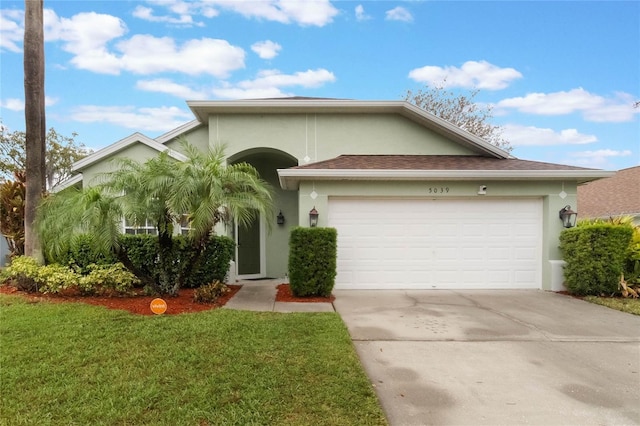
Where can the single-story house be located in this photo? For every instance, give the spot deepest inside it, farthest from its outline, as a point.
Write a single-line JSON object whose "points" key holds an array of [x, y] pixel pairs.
{"points": [[612, 197], [418, 203]]}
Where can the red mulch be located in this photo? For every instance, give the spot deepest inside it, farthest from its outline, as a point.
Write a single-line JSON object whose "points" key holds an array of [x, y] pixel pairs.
{"points": [[139, 304], [284, 295]]}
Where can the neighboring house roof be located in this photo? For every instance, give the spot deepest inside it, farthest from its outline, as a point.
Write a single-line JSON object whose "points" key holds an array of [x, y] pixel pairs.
{"points": [[203, 109], [618, 195], [432, 167]]}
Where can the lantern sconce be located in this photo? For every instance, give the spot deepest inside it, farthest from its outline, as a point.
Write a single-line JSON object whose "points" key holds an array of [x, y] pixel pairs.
{"points": [[313, 217], [280, 218], [568, 217]]}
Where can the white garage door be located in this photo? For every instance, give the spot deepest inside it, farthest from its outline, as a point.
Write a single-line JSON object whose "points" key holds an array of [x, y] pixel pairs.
{"points": [[437, 244]]}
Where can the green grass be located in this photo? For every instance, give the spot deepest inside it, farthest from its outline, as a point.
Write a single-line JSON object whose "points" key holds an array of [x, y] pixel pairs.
{"points": [[631, 306], [75, 364]]}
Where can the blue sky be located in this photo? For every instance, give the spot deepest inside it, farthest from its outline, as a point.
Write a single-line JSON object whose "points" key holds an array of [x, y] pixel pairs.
{"points": [[561, 77]]}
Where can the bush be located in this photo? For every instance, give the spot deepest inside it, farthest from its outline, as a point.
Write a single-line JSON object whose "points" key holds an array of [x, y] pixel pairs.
{"points": [[108, 280], [81, 254], [142, 251], [213, 264], [56, 278], [26, 274], [312, 261], [211, 292], [22, 273], [632, 266], [595, 257]]}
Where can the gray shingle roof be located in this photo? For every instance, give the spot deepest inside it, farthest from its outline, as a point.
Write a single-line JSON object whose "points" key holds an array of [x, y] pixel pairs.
{"points": [[613, 196], [432, 162]]}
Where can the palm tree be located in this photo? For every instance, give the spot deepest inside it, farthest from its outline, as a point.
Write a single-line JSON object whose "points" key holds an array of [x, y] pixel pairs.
{"points": [[160, 191]]}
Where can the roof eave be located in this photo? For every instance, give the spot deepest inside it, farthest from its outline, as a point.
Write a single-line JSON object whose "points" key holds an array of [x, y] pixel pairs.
{"points": [[291, 178], [68, 183]]}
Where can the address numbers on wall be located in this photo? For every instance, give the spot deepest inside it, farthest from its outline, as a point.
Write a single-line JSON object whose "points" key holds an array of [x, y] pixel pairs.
{"points": [[438, 190]]}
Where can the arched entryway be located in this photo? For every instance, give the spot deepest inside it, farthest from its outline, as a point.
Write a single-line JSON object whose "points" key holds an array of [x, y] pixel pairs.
{"points": [[262, 248]]}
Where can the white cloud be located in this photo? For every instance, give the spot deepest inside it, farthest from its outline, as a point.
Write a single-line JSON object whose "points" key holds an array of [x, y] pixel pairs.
{"points": [[269, 83], [519, 135], [599, 159], [472, 74], [164, 85], [146, 13], [266, 49], [145, 119], [87, 37], [305, 13], [11, 30], [15, 104], [361, 15], [399, 14], [593, 107], [146, 54]]}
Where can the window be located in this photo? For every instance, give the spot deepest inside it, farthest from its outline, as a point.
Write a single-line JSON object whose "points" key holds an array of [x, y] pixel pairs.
{"points": [[185, 224], [147, 228]]}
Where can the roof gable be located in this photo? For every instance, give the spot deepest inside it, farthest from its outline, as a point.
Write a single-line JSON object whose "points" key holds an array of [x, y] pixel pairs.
{"points": [[121, 145], [203, 109]]}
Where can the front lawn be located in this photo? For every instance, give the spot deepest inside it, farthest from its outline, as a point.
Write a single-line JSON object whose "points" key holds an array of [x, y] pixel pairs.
{"points": [[631, 306], [69, 363]]}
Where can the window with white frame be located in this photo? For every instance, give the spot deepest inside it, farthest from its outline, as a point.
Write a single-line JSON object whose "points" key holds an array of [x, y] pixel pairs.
{"points": [[185, 224], [146, 228]]}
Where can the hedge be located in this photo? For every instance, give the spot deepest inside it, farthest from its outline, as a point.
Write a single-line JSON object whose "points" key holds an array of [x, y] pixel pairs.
{"points": [[595, 257], [142, 251], [312, 261]]}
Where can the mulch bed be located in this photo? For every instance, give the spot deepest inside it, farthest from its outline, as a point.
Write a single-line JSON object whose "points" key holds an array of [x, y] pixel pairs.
{"points": [[284, 295], [138, 304]]}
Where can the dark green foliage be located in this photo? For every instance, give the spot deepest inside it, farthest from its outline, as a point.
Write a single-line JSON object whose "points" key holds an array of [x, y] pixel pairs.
{"points": [[595, 257], [141, 251], [312, 261], [211, 292], [81, 254], [213, 265]]}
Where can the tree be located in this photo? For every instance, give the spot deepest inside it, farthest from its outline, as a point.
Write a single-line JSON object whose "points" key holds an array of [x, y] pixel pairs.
{"points": [[61, 152], [34, 120], [160, 191], [460, 110]]}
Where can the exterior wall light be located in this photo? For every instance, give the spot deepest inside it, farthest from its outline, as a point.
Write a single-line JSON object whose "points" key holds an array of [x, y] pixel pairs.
{"points": [[313, 217], [280, 218], [568, 217]]}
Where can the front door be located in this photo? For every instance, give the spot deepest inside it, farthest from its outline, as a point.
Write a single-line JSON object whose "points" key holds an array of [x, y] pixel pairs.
{"points": [[249, 250]]}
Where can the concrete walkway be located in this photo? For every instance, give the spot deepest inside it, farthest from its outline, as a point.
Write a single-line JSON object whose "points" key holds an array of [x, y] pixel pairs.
{"points": [[260, 295]]}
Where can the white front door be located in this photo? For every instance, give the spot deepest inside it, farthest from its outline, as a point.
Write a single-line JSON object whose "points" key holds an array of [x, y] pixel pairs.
{"points": [[437, 244]]}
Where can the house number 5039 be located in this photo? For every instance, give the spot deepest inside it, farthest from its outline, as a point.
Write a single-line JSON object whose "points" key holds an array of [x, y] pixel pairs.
{"points": [[440, 190]]}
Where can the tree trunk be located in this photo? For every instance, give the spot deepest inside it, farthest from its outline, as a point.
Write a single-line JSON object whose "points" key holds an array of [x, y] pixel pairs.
{"points": [[34, 113]]}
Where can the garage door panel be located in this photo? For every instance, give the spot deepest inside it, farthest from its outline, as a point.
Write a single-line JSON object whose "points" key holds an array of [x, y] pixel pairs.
{"points": [[479, 243]]}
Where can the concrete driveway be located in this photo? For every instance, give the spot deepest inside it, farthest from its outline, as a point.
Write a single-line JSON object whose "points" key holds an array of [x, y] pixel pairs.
{"points": [[439, 357]]}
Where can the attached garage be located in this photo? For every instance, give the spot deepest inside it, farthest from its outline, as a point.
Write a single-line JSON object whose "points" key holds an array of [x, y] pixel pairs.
{"points": [[469, 243]]}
